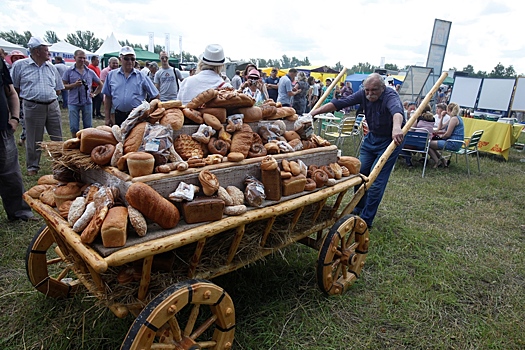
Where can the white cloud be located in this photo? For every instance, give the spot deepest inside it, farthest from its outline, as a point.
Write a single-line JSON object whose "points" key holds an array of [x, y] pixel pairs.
{"points": [[483, 33]]}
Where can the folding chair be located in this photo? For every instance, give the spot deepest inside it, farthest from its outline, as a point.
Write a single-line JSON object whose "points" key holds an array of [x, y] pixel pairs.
{"points": [[468, 146], [417, 140], [349, 127], [339, 131]]}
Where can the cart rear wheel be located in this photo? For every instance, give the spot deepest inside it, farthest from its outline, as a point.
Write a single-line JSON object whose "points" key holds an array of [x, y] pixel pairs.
{"points": [[45, 269], [342, 255], [190, 315]]}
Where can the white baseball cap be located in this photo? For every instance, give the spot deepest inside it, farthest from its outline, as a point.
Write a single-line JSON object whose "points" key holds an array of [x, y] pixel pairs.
{"points": [[35, 41], [127, 50]]}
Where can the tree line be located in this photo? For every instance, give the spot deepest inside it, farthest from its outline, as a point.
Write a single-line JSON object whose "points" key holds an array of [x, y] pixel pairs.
{"points": [[88, 41]]}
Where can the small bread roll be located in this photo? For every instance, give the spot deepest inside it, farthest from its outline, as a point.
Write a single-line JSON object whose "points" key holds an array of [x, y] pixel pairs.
{"points": [[73, 143], [235, 156], [47, 180], [212, 121], [170, 104]]}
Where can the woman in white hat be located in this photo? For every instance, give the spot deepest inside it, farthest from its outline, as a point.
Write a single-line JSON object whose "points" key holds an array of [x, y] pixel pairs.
{"points": [[209, 68]]}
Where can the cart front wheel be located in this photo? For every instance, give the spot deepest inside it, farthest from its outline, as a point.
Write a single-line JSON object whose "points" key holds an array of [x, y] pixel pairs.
{"points": [[45, 269], [342, 255], [189, 315]]}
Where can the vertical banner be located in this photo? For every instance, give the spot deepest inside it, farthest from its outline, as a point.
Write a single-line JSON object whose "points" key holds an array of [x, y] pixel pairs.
{"points": [[167, 43], [382, 64], [438, 45], [180, 48], [151, 45]]}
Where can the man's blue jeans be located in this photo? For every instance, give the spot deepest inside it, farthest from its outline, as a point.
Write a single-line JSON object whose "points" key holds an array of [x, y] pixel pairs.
{"points": [[74, 117], [371, 150]]}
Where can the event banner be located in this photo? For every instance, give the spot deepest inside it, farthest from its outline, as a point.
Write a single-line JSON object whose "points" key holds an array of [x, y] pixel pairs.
{"points": [[438, 45]]}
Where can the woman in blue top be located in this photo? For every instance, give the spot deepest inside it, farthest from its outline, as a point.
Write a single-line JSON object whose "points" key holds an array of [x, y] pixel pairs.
{"points": [[455, 131]]}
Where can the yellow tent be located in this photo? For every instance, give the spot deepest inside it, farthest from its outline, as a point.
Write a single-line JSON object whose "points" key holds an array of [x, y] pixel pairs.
{"points": [[268, 70], [318, 72]]}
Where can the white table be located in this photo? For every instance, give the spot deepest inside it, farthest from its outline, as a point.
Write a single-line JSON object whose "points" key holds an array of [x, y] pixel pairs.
{"points": [[322, 117]]}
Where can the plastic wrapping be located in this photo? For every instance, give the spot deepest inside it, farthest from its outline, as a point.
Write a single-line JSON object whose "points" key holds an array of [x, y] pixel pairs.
{"points": [[203, 134], [158, 140], [134, 117], [254, 191], [304, 126], [235, 122], [184, 191]]}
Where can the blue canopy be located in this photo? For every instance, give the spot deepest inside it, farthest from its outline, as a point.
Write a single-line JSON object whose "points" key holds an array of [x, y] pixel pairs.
{"points": [[356, 80]]}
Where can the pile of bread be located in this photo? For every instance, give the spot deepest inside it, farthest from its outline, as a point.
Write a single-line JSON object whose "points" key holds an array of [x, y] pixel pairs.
{"points": [[96, 209], [226, 120]]}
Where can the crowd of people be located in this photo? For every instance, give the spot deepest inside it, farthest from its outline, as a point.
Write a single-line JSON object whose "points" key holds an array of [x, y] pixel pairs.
{"points": [[32, 87], [444, 125]]}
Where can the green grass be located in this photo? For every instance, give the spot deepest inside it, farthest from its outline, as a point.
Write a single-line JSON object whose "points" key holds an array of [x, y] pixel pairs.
{"points": [[445, 270]]}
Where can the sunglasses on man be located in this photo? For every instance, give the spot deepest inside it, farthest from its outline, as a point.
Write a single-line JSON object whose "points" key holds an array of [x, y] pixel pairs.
{"points": [[126, 58]]}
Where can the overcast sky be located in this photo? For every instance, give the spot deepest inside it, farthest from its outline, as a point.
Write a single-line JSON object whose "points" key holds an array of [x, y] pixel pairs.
{"points": [[483, 33]]}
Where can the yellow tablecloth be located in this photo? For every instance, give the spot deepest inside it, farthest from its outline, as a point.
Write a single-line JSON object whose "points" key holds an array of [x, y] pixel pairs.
{"points": [[497, 137]]}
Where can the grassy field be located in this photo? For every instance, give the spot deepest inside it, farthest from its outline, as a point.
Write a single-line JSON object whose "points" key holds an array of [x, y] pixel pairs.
{"points": [[445, 270]]}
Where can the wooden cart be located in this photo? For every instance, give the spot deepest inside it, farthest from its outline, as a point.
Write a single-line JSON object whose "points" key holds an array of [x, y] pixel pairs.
{"points": [[191, 312], [259, 232]]}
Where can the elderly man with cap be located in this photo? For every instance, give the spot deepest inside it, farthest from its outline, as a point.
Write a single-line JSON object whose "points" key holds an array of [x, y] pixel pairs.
{"points": [[38, 83], [126, 88], [208, 74]]}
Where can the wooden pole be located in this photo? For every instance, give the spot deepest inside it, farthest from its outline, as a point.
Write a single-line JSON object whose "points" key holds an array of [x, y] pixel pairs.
{"points": [[330, 88], [384, 157]]}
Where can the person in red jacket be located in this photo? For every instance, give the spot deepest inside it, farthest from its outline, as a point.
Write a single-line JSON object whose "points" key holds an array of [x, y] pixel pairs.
{"points": [[97, 100]]}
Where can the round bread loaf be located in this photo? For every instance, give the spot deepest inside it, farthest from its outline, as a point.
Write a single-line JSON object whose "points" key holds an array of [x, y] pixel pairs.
{"points": [[140, 163]]}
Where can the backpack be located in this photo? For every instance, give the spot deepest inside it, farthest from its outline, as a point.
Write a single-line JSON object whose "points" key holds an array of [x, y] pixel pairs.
{"points": [[176, 79]]}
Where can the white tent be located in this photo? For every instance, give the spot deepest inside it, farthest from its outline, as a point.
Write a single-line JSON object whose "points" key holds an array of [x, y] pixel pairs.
{"points": [[8, 47], [67, 50], [111, 44]]}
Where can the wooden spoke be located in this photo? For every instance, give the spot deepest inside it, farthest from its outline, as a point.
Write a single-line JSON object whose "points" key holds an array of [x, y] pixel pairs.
{"points": [[175, 329], [205, 325], [342, 255], [203, 310], [45, 269], [192, 319]]}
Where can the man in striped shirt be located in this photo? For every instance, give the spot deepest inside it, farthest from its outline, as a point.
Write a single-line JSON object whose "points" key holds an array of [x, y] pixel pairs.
{"points": [[38, 83]]}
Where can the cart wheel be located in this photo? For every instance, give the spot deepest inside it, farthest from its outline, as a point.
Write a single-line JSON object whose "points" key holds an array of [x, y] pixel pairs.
{"points": [[45, 269], [206, 309], [342, 255]]}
